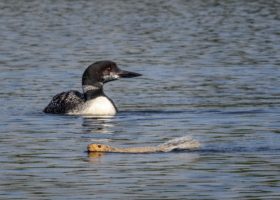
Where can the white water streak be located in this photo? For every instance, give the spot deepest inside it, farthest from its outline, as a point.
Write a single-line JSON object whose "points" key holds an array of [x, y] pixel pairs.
{"points": [[182, 143]]}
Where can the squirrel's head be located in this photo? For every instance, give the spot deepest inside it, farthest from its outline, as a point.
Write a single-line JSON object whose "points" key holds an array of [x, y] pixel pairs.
{"points": [[99, 148]]}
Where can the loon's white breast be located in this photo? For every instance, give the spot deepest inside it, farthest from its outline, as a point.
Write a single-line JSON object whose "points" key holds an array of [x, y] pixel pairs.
{"points": [[98, 106]]}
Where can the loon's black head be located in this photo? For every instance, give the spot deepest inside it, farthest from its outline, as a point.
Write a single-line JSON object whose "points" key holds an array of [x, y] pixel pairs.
{"points": [[103, 72]]}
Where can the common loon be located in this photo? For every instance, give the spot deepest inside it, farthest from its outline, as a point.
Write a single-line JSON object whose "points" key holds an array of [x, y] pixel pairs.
{"points": [[92, 101]]}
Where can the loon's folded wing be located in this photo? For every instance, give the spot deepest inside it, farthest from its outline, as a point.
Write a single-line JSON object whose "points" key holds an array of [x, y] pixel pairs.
{"points": [[65, 102]]}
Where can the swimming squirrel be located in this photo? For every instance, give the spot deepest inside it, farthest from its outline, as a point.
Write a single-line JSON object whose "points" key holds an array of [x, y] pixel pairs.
{"points": [[182, 143]]}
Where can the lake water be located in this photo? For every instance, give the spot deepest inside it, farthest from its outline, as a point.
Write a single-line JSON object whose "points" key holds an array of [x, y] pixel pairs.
{"points": [[210, 70]]}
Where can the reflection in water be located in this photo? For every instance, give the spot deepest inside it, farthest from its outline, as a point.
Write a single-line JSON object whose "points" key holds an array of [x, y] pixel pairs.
{"points": [[94, 157], [95, 125], [190, 158]]}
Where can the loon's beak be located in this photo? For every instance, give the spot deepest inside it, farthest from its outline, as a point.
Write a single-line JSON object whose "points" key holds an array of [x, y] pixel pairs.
{"points": [[127, 74]]}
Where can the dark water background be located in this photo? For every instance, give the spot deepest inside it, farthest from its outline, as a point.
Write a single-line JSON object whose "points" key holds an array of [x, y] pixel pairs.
{"points": [[210, 70]]}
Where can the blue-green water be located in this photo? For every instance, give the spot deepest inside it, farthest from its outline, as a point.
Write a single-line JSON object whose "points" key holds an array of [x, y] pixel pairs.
{"points": [[210, 71]]}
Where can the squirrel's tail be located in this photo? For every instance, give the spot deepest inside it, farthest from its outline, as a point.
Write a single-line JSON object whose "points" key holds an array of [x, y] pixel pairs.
{"points": [[181, 143]]}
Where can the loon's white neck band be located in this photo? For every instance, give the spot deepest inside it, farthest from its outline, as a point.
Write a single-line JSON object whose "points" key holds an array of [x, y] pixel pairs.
{"points": [[90, 87]]}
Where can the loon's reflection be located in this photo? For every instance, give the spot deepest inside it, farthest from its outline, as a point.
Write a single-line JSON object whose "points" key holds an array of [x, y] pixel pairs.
{"points": [[102, 125]]}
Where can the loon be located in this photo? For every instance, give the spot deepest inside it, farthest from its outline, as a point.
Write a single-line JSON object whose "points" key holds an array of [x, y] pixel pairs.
{"points": [[92, 101]]}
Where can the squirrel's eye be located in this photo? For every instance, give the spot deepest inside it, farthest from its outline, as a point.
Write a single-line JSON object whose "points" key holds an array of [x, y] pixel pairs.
{"points": [[99, 146]]}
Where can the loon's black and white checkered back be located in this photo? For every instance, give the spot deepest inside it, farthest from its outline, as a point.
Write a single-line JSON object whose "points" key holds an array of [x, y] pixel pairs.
{"points": [[65, 102]]}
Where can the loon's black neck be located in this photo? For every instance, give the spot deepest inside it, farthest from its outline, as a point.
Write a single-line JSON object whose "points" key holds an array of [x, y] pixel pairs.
{"points": [[93, 91]]}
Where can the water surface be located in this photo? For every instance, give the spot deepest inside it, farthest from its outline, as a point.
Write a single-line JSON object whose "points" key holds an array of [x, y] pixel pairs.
{"points": [[210, 71]]}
